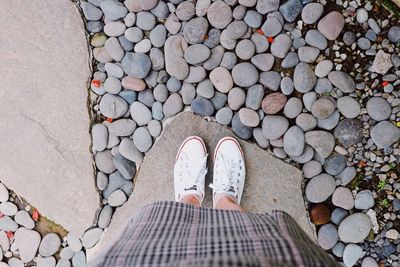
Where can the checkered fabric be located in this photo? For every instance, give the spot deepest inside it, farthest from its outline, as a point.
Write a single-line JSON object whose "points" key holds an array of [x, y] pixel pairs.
{"points": [[176, 234]]}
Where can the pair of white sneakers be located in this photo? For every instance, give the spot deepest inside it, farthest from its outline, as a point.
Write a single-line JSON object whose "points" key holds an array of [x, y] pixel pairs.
{"points": [[191, 168]]}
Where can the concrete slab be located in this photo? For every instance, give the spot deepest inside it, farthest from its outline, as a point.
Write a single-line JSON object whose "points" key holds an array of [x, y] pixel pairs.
{"points": [[44, 135], [270, 182]]}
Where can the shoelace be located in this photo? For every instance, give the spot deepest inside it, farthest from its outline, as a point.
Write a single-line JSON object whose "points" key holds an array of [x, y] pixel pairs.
{"points": [[192, 171], [230, 169]]}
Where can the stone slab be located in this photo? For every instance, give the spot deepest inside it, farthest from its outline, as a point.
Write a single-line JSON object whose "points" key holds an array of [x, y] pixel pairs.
{"points": [[44, 135], [270, 182]]}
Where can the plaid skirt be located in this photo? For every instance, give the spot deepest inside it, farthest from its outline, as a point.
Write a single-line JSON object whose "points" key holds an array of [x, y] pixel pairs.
{"points": [[176, 234]]}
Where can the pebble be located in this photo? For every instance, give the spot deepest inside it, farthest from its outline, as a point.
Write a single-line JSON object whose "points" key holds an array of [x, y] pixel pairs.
{"points": [[382, 63], [122, 127], [8, 208], [309, 99], [290, 61], [347, 175], [254, 96], [202, 106], [23, 218], [126, 167], [147, 4], [349, 132], [273, 103], [145, 20], [114, 49], [195, 30], [245, 49], [79, 259], [306, 156], [363, 43], [267, 6], [311, 169], [236, 98], [142, 139], [185, 10], [320, 188], [327, 236], [287, 86], [46, 262], [291, 9], [174, 62], [331, 25], [281, 45], [113, 10], [260, 42], [104, 162], [394, 34], [114, 29], [4, 195], [90, 11], [50, 245], [249, 117], [349, 38], [113, 106], [378, 108], [201, 7], [311, 13], [253, 19], [213, 38], [105, 216], [27, 241], [112, 85], [364, 200], [14, 262], [316, 39], [140, 113], [221, 79], [304, 78], [173, 105], [362, 15], [293, 141], [219, 14], [384, 134], [224, 116], [116, 199], [343, 198], [354, 228], [293, 108], [245, 74], [369, 262], [342, 80], [351, 254], [338, 214], [392, 234], [348, 107], [240, 129], [274, 127], [323, 108], [271, 27], [134, 34], [323, 142], [306, 121], [270, 79], [136, 64], [338, 249], [308, 54], [335, 164], [197, 54], [323, 86], [260, 138]]}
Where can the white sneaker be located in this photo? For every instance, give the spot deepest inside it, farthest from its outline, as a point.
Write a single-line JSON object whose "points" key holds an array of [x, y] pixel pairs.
{"points": [[229, 169], [190, 168]]}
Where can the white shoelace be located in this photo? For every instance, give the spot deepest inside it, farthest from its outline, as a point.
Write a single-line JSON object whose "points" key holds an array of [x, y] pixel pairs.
{"points": [[228, 182], [192, 171]]}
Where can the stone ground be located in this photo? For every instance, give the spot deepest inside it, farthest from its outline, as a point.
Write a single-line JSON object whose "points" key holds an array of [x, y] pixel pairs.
{"points": [[269, 181]]}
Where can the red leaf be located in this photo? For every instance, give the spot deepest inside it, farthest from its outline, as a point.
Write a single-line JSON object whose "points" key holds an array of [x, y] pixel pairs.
{"points": [[385, 83], [270, 40], [260, 31], [96, 83], [109, 120], [10, 235], [35, 215]]}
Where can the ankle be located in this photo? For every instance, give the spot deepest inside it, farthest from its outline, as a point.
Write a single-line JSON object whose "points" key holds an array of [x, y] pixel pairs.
{"points": [[220, 199], [192, 199]]}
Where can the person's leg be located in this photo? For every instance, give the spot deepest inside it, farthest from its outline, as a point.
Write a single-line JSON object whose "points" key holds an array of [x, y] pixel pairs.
{"points": [[227, 203], [190, 199]]}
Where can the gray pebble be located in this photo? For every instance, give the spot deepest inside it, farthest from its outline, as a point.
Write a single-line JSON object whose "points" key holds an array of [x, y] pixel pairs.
{"points": [[142, 139], [50, 244], [224, 116]]}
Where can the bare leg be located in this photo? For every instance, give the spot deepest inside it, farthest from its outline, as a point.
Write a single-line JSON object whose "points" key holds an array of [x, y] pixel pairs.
{"points": [[190, 199], [227, 203]]}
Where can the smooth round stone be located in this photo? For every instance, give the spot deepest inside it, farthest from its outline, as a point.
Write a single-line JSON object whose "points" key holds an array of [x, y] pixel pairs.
{"points": [[104, 162], [105, 216], [202, 106], [363, 43], [215, 59], [114, 70], [306, 156], [343, 198], [304, 78], [249, 117], [323, 108], [263, 62], [126, 167], [354, 228], [142, 139], [236, 98], [290, 61], [73, 242], [311, 13], [27, 242], [101, 55], [270, 79], [245, 74], [331, 25], [273, 103], [362, 15], [306, 121], [188, 93], [330, 122], [122, 127], [253, 19], [99, 137], [221, 79], [248, 3], [79, 259], [271, 27], [201, 7], [287, 86], [229, 60], [327, 236], [293, 141], [8, 209], [245, 49], [113, 10], [160, 92], [311, 169], [254, 96], [338, 249], [90, 11], [323, 68], [342, 80], [112, 106], [320, 214], [114, 49], [197, 54], [260, 42], [154, 128], [224, 116], [378, 108], [140, 113], [291, 9], [235, 30], [335, 164], [172, 24], [338, 214], [49, 245], [394, 34], [14, 262], [136, 65], [145, 20], [293, 108], [266, 6], [205, 89], [125, 43], [241, 130], [364, 200], [320, 188], [384, 134], [260, 138], [351, 254], [316, 39], [347, 175], [349, 38], [349, 132], [369, 262], [101, 181], [322, 141], [114, 29], [349, 107], [213, 38], [219, 14], [238, 12], [309, 99], [143, 46], [158, 36], [133, 83], [308, 54], [112, 85], [173, 105], [281, 45], [273, 127], [134, 34], [185, 10], [147, 4], [130, 19], [23, 218], [116, 199], [129, 151], [196, 74]]}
